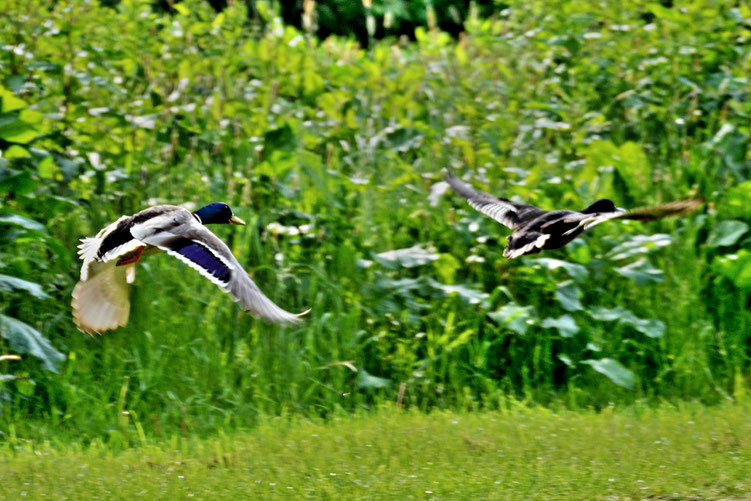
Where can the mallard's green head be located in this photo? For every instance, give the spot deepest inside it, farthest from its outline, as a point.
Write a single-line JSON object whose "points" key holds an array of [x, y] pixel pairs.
{"points": [[217, 213]]}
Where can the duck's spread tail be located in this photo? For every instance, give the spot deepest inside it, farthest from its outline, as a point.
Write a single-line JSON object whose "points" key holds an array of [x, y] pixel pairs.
{"points": [[102, 302]]}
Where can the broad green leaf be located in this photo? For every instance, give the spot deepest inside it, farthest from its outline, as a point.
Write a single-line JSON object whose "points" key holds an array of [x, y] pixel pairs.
{"points": [[24, 222], [726, 233], [218, 20], [472, 296], [650, 327], [31, 117], [515, 317], [565, 324], [181, 8], [568, 294], [47, 168], [9, 101], [575, 271], [641, 272], [566, 360], [367, 381], [730, 144], [593, 346], [407, 258], [639, 245], [16, 82], [16, 151], [18, 131], [23, 338], [613, 370], [12, 284]]}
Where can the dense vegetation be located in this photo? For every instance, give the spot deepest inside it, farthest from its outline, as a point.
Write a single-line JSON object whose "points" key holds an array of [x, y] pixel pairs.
{"points": [[335, 155]]}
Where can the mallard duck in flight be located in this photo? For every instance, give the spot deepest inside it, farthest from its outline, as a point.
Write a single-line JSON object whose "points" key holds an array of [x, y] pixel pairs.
{"points": [[536, 229], [100, 299]]}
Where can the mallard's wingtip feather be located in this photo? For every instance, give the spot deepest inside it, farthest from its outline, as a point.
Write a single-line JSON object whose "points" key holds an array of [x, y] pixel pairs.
{"points": [[297, 317], [281, 316], [304, 312]]}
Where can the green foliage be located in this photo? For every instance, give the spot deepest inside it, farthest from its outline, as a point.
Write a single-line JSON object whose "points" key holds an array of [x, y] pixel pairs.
{"points": [[613, 370], [726, 233], [25, 339], [335, 157]]}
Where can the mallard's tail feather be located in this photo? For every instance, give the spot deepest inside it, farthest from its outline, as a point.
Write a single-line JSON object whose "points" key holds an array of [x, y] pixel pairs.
{"points": [[102, 302]]}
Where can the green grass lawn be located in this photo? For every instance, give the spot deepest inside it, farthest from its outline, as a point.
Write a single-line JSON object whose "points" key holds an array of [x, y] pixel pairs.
{"points": [[689, 453]]}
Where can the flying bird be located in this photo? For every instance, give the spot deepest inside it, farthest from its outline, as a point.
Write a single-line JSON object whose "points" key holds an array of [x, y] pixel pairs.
{"points": [[101, 298], [536, 229]]}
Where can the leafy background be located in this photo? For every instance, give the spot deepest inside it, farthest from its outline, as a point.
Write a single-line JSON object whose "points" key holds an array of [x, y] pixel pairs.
{"points": [[335, 155]]}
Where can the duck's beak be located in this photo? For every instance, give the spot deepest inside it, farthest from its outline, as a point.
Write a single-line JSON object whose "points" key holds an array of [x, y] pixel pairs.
{"points": [[236, 220]]}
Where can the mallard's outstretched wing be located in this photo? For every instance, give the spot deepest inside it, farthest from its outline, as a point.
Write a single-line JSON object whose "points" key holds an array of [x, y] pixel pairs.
{"points": [[648, 213], [182, 236], [667, 209], [506, 212]]}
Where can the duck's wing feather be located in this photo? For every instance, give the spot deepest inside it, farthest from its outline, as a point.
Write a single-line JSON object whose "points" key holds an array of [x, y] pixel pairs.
{"points": [[648, 213], [110, 243], [668, 209], [182, 236], [506, 212], [116, 240]]}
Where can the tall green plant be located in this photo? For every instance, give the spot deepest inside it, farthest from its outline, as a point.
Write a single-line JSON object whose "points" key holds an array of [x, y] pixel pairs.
{"points": [[335, 155]]}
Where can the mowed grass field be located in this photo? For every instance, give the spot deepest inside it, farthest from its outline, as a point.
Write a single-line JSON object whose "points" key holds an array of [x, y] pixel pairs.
{"points": [[691, 452]]}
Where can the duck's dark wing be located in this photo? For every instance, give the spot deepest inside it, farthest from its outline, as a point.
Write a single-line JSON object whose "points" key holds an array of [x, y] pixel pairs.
{"points": [[668, 209], [506, 212], [182, 236]]}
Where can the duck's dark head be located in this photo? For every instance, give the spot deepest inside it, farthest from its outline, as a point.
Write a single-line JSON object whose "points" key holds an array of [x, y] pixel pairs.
{"points": [[602, 205], [217, 213]]}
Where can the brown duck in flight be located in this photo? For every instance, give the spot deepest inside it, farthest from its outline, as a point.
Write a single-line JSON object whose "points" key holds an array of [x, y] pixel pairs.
{"points": [[536, 229]]}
